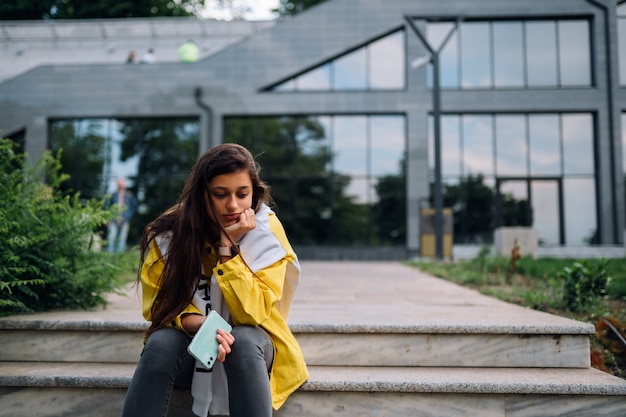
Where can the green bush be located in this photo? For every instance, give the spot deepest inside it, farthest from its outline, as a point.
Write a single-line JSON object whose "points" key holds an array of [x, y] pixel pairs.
{"points": [[47, 258], [584, 283], [617, 288]]}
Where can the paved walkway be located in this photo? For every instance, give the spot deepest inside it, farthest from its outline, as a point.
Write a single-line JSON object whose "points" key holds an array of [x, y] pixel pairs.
{"points": [[364, 297]]}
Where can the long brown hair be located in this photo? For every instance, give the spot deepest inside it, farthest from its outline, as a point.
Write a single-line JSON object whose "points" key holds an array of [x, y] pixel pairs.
{"points": [[189, 227]]}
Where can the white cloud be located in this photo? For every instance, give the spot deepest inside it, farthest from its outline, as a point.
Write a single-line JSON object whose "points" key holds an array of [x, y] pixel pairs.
{"points": [[246, 9]]}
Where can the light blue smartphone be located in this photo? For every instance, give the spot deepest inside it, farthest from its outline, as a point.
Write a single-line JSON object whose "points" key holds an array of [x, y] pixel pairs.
{"points": [[204, 344]]}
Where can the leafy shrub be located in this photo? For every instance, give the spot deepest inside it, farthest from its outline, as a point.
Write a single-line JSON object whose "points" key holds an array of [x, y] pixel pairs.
{"points": [[584, 284], [47, 258], [617, 288]]}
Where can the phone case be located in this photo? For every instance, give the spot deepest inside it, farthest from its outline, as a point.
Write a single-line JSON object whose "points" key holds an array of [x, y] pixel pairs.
{"points": [[204, 344]]}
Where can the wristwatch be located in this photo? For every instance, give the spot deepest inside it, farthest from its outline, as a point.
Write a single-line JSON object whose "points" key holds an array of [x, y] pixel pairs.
{"points": [[227, 251]]}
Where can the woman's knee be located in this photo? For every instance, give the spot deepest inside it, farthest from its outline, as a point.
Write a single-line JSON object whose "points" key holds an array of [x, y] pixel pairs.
{"points": [[166, 344], [251, 342]]}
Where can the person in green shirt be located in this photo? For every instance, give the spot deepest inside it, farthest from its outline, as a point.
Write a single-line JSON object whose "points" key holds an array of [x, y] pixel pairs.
{"points": [[188, 52]]}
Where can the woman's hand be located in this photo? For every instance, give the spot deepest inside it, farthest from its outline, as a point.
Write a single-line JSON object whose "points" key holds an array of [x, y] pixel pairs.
{"points": [[225, 340], [245, 223]]}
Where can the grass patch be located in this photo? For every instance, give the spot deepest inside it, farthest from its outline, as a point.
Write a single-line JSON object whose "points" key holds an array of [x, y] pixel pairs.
{"points": [[588, 290]]}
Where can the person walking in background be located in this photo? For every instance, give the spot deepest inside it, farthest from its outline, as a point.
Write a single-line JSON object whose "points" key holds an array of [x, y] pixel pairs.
{"points": [[149, 57], [117, 230], [130, 59], [219, 248]]}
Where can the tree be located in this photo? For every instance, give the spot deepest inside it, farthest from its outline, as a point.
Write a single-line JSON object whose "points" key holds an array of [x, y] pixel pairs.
{"points": [[290, 8], [97, 9], [25, 9], [167, 150], [311, 200], [104, 9], [389, 213], [82, 156], [47, 250], [473, 206]]}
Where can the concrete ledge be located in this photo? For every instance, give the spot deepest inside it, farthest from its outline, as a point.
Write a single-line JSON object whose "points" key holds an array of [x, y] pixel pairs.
{"points": [[94, 402], [466, 380], [547, 324], [565, 381], [325, 404], [505, 239]]}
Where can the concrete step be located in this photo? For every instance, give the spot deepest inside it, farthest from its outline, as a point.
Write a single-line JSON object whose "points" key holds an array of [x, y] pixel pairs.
{"points": [[98, 389], [416, 345], [412, 320], [25, 339]]}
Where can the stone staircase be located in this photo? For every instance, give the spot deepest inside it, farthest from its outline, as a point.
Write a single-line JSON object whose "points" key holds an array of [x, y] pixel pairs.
{"points": [[380, 339]]}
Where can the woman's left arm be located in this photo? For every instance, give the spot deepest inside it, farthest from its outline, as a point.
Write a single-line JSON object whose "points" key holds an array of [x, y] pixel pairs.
{"points": [[250, 297]]}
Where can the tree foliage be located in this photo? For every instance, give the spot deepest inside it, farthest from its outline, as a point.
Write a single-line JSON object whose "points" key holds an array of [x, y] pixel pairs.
{"points": [[312, 200], [82, 157], [47, 257], [474, 205], [389, 213], [97, 9], [293, 7], [104, 9], [167, 150]]}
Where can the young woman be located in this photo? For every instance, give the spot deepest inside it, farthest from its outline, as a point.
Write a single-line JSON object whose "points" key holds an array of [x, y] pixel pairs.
{"points": [[220, 248]]}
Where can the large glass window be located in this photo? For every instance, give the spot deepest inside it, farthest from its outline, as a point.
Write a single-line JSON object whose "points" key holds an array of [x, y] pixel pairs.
{"points": [[520, 169], [541, 54], [336, 180], [508, 54], [580, 210], [436, 33], [152, 155], [511, 149], [621, 42], [478, 145], [350, 71], [578, 144], [451, 142], [514, 54], [545, 144], [386, 62], [350, 153], [574, 57], [475, 55], [378, 65], [317, 79], [624, 143], [545, 205]]}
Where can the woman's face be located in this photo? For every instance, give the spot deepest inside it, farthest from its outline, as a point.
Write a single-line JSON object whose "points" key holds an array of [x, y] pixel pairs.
{"points": [[230, 194]]}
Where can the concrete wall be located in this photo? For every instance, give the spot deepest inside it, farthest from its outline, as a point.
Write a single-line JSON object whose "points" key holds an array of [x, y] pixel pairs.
{"points": [[25, 45], [232, 78]]}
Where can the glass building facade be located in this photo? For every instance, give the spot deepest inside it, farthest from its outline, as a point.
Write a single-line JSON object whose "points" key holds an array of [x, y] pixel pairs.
{"points": [[152, 155], [336, 179], [341, 118], [539, 53]]}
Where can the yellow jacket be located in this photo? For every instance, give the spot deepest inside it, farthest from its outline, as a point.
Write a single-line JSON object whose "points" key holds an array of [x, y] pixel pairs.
{"points": [[260, 299]]}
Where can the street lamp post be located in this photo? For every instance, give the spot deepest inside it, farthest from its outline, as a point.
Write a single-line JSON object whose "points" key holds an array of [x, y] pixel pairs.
{"points": [[434, 60]]}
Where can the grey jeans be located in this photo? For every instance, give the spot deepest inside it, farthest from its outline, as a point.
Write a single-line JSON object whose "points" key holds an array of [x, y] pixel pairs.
{"points": [[165, 363]]}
